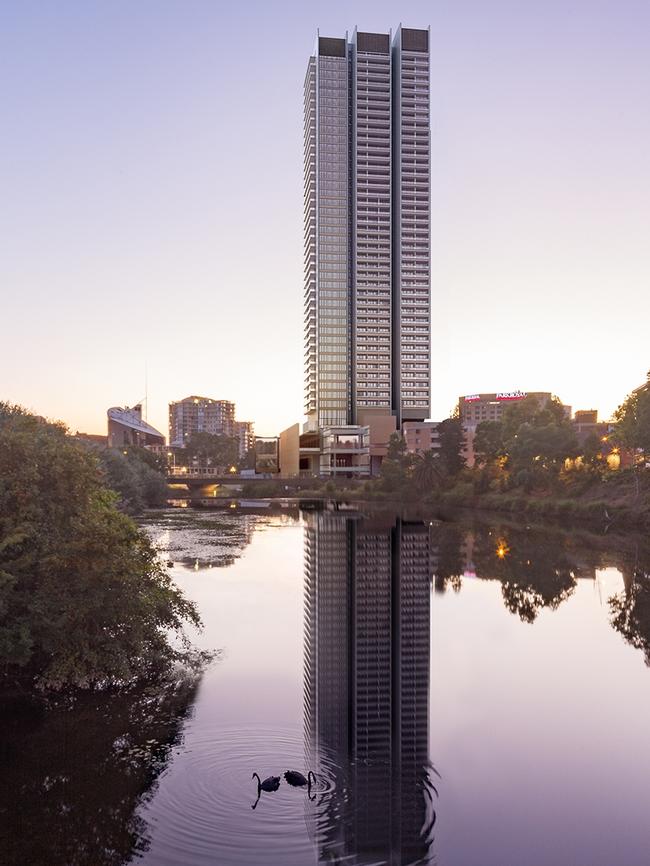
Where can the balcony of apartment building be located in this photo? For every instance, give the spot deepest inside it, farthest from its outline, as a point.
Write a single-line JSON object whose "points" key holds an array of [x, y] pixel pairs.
{"points": [[345, 451]]}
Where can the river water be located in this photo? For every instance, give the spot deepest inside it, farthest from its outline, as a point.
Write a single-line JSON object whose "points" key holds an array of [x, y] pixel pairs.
{"points": [[465, 694]]}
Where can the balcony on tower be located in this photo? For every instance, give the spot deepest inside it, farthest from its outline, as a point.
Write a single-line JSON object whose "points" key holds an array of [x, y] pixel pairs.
{"points": [[345, 451]]}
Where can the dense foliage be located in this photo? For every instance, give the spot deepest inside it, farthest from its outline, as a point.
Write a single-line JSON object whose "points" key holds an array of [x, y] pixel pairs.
{"points": [[136, 475], [84, 599], [212, 450], [633, 420]]}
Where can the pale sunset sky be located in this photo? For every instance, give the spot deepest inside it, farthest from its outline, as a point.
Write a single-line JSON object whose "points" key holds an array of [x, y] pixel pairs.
{"points": [[151, 200]]}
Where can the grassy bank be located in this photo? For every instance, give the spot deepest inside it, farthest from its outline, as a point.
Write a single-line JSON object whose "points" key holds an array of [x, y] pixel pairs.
{"points": [[618, 498]]}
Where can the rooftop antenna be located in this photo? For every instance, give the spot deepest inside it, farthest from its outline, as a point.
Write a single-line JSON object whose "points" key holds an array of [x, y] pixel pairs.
{"points": [[146, 392]]}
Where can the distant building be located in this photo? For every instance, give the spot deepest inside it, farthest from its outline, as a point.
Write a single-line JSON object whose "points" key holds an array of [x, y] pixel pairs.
{"points": [[200, 415], [421, 436], [245, 433], [586, 424], [473, 409], [267, 455], [126, 427], [585, 417], [95, 438]]}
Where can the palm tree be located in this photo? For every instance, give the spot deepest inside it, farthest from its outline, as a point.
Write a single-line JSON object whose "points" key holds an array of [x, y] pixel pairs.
{"points": [[426, 471]]}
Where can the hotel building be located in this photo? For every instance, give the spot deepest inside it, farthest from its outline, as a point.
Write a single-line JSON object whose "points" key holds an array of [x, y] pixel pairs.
{"points": [[367, 227], [476, 408]]}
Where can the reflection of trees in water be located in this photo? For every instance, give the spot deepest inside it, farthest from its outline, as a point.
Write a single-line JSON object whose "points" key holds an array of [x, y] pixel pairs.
{"points": [[448, 556], [535, 571], [631, 609], [73, 777], [539, 569]]}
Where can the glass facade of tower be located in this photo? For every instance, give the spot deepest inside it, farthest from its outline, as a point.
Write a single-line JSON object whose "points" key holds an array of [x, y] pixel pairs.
{"points": [[327, 297], [367, 250]]}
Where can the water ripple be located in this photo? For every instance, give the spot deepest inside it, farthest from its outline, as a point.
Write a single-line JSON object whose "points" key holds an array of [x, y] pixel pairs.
{"points": [[205, 816]]}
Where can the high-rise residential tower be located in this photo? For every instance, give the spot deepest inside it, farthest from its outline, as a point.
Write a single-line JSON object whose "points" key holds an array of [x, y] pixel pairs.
{"points": [[199, 415], [367, 247]]}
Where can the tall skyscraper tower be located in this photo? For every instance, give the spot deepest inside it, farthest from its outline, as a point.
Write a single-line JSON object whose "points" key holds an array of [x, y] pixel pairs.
{"points": [[367, 229]]}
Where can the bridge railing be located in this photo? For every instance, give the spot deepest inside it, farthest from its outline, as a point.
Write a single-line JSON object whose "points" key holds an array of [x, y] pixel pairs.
{"points": [[195, 472]]}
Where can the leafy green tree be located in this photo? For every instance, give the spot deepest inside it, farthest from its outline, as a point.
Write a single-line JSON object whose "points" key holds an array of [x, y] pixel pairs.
{"points": [[426, 471], [248, 460], [592, 450], [396, 466], [397, 449], [84, 600], [529, 411], [213, 450], [543, 447], [452, 443], [134, 477], [488, 442], [633, 420]]}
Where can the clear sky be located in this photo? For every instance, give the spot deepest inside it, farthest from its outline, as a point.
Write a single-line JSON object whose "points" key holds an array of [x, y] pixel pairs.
{"points": [[151, 200]]}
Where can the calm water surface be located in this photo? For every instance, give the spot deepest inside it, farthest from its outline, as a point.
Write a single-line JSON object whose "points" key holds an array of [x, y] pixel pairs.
{"points": [[465, 695]]}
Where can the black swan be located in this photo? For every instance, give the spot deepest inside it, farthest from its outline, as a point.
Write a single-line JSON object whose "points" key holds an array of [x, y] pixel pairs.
{"points": [[297, 780], [270, 784]]}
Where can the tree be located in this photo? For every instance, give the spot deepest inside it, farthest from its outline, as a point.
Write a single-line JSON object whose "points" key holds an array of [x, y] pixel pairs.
{"points": [[395, 467], [528, 411], [84, 599], [536, 440], [452, 443], [592, 450], [425, 471], [545, 447], [633, 420], [488, 442], [134, 477], [214, 450]]}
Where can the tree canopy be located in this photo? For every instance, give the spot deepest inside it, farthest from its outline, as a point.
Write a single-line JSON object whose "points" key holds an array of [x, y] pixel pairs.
{"points": [[84, 599], [215, 450], [633, 420]]}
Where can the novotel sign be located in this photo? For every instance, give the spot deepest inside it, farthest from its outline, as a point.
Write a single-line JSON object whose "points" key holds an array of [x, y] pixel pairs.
{"points": [[501, 395]]}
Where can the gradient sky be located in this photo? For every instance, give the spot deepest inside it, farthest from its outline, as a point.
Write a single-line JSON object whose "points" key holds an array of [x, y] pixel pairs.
{"points": [[151, 200]]}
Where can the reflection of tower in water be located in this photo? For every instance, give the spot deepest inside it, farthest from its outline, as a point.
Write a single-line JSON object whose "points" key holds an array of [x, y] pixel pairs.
{"points": [[367, 603]]}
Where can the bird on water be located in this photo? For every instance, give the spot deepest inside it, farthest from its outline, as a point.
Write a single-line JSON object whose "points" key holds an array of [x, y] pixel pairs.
{"points": [[297, 780], [270, 784]]}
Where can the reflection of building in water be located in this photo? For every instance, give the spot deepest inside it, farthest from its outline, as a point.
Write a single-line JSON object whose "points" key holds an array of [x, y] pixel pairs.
{"points": [[367, 602]]}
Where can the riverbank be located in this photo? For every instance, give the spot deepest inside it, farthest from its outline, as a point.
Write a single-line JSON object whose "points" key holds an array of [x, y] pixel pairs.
{"points": [[620, 499]]}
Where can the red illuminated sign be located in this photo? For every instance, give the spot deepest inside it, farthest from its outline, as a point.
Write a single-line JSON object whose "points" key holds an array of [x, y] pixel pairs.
{"points": [[512, 395]]}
